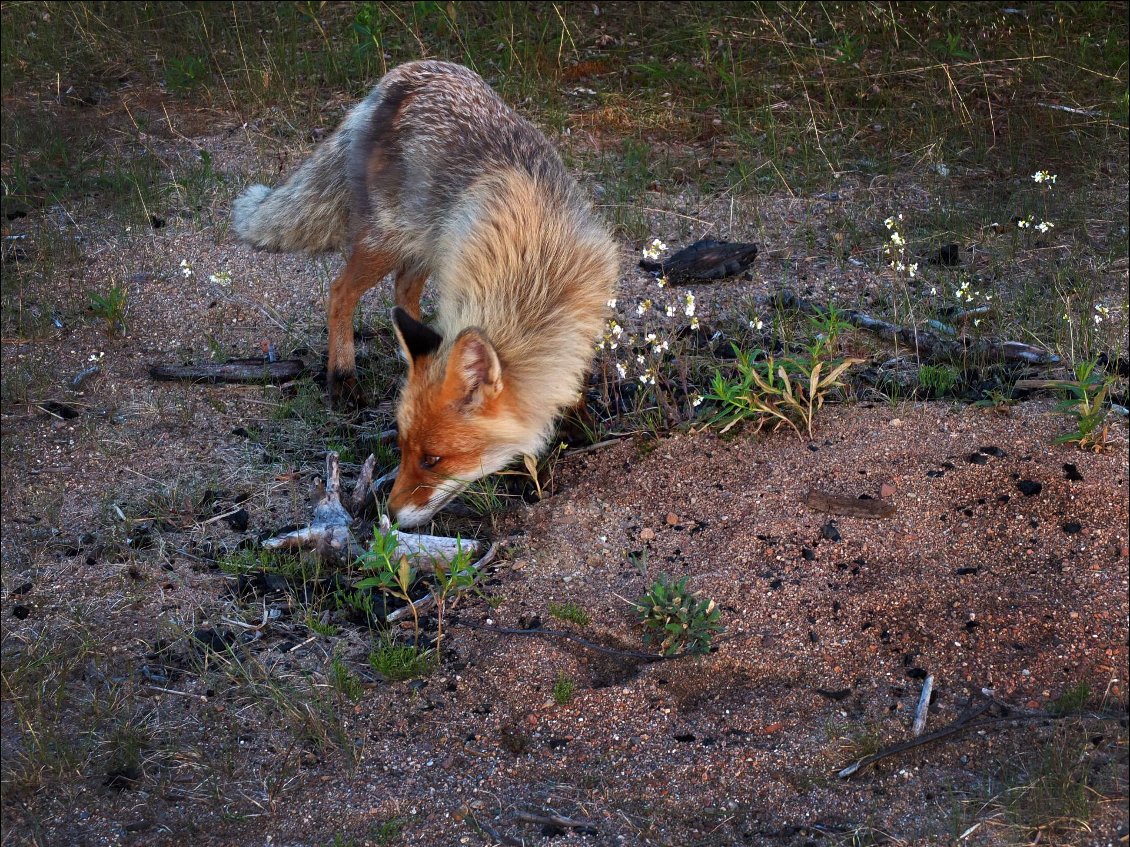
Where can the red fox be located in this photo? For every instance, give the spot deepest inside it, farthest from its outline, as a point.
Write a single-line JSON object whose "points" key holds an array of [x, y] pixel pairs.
{"points": [[434, 176]]}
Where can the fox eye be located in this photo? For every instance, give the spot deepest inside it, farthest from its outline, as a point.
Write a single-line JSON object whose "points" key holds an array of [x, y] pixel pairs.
{"points": [[429, 462]]}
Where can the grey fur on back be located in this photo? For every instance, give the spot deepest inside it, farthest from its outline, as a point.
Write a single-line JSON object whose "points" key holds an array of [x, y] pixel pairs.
{"points": [[311, 210], [398, 164]]}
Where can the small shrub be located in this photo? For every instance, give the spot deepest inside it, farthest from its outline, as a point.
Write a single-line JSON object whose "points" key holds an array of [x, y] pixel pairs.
{"points": [[1087, 404], [675, 619], [111, 307], [570, 612], [389, 574], [777, 392]]}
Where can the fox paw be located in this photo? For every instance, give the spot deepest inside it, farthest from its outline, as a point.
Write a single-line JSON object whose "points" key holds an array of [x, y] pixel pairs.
{"points": [[345, 394]]}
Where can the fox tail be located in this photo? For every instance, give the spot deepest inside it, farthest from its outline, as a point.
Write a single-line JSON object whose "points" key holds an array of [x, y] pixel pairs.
{"points": [[310, 211]]}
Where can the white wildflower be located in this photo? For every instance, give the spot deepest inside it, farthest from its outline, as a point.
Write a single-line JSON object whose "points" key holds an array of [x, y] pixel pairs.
{"points": [[696, 399], [1043, 176], [621, 369], [662, 281], [612, 303], [912, 269], [221, 277], [897, 239], [643, 306], [1044, 226], [694, 323], [670, 310], [688, 305], [185, 268]]}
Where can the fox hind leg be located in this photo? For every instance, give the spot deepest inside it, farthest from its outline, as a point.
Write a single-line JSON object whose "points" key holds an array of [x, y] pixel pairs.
{"points": [[365, 268]]}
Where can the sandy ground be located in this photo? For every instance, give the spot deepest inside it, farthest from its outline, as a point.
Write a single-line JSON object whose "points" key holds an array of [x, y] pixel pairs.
{"points": [[978, 579]]}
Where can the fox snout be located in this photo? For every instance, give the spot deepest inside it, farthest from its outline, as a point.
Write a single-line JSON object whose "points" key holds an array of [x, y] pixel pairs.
{"points": [[414, 500]]}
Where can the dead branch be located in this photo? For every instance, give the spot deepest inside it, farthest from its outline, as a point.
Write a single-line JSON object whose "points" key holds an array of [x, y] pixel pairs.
{"points": [[233, 370], [330, 536], [927, 345], [923, 709], [849, 507], [559, 821]]}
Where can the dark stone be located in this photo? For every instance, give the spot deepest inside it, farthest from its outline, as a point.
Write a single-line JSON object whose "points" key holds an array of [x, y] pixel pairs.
{"points": [[1072, 473], [967, 571], [977, 458], [20, 612], [835, 696], [685, 737], [60, 410], [948, 255], [1072, 527], [993, 451], [830, 532], [917, 673], [1029, 487], [238, 520], [808, 555]]}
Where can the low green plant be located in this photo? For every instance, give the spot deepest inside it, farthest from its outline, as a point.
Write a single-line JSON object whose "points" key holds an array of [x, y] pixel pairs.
{"points": [[452, 580], [1087, 404], [401, 661], [777, 392], [563, 689], [111, 308], [570, 612], [675, 619], [996, 400]]}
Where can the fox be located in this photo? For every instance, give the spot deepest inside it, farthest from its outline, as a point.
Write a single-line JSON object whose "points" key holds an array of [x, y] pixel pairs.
{"points": [[435, 179]]}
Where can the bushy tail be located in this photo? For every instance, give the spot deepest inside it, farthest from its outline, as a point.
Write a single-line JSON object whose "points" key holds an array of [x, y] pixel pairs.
{"points": [[310, 211]]}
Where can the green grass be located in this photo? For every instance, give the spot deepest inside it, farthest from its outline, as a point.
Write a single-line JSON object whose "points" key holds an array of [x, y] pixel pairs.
{"points": [[1054, 787], [570, 612], [563, 688]]}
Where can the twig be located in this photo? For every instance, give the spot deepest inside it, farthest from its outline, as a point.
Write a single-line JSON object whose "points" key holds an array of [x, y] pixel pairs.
{"points": [[200, 697], [486, 828], [552, 819], [592, 448], [963, 724], [923, 706]]}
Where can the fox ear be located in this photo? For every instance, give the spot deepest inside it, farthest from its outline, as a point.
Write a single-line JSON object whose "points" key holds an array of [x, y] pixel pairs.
{"points": [[474, 374], [416, 339]]}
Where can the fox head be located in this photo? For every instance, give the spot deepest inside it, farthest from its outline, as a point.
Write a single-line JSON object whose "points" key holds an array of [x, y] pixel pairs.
{"points": [[455, 418]]}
